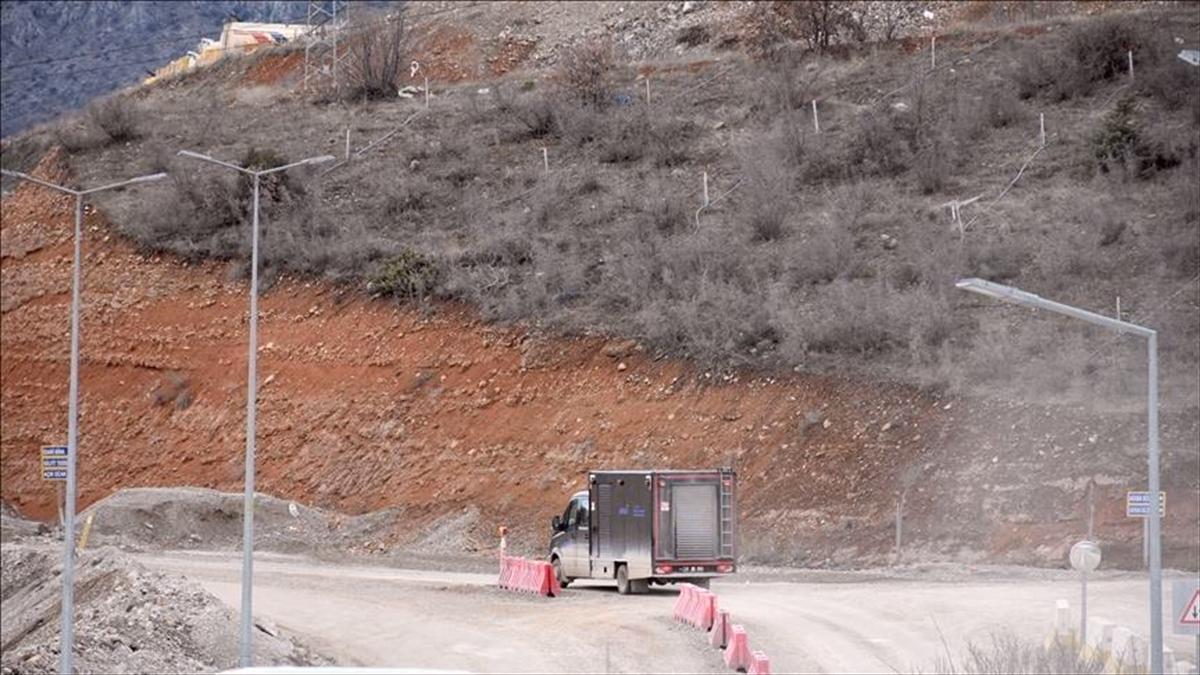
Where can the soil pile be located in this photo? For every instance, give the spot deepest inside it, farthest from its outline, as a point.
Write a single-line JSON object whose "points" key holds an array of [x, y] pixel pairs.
{"points": [[128, 619]]}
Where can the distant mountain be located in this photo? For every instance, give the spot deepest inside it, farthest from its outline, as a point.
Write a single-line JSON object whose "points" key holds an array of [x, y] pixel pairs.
{"points": [[56, 55]]}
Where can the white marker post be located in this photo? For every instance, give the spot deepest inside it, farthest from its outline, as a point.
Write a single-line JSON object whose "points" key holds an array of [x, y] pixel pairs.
{"points": [[647, 90], [816, 123], [932, 52], [1085, 557], [545, 159], [1131, 64], [706, 188], [426, 91], [1042, 132], [347, 143]]}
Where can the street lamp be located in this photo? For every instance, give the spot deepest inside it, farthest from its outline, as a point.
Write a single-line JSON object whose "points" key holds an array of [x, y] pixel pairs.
{"points": [[251, 393], [67, 636], [1019, 297]]}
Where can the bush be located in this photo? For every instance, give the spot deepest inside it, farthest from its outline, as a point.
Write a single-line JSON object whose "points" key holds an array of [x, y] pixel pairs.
{"points": [[585, 71], [537, 114], [115, 117], [377, 56], [409, 275], [878, 148], [1099, 49], [1005, 653], [693, 36]]}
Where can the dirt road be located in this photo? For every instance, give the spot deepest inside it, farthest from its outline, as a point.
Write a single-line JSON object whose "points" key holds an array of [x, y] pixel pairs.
{"points": [[396, 617]]}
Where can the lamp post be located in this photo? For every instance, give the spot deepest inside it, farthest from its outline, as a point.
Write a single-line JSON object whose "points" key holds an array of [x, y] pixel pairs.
{"points": [[67, 636], [251, 395], [1019, 297]]}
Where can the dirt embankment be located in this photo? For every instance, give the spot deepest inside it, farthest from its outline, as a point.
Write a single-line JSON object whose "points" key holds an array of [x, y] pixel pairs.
{"points": [[128, 619], [462, 426]]}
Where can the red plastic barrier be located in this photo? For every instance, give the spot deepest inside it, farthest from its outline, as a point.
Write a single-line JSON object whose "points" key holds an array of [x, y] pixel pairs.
{"points": [[706, 610], [759, 664], [720, 630], [682, 602], [737, 652], [528, 576]]}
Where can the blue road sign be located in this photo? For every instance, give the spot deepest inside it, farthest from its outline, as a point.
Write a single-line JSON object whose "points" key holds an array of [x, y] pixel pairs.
{"points": [[54, 462], [1138, 505], [54, 451], [54, 474]]}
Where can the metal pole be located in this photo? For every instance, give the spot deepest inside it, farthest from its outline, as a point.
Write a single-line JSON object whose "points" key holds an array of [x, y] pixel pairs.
{"points": [[1083, 609], [251, 395], [1156, 627], [67, 636]]}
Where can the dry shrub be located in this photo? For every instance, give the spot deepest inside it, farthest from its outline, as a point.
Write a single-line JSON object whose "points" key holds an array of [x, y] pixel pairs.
{"points": [[115, 117], [878, 147], [1005, 653], [693, 36], [585, 72], [376, 59]]}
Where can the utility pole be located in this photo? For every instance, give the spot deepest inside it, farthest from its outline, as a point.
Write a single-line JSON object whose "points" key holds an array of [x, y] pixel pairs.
{"points": [[67, 635], [251, 396]]}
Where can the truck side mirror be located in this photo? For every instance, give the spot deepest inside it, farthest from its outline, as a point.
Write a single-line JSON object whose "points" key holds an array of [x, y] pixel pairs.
{"points": [[555, 524]]}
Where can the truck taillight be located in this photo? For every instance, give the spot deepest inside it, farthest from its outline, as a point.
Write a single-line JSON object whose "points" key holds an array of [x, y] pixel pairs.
{"points": [[664, 569], [725, 568]]}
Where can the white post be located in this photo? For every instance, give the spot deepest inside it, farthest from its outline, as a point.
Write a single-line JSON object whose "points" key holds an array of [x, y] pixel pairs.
{"points": [[347, 143], [706, 188], [1155, 531], [545, 159], [426, 91], [647, 90], [932, 52], [1131, 64], [1118, 308], [67, 640], [1042, 131], [816, 123], [248, 496]]}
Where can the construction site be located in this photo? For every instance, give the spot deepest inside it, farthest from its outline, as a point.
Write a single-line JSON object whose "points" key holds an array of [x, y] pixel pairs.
{"points": [[913, 287]]}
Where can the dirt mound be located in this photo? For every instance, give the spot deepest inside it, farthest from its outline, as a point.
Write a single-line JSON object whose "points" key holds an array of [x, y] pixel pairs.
{"points": [[128, 619], [198, 518]]}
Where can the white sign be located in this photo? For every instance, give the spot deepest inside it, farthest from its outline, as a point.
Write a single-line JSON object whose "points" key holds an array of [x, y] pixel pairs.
{"points": [[1185, 606], [1085, 556]]}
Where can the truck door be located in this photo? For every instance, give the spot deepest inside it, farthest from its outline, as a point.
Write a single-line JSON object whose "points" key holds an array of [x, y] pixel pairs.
{"points": [[576, 557]]}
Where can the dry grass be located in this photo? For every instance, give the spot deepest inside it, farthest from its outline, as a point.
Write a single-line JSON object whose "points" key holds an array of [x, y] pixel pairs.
{"points": [[832, 251]]}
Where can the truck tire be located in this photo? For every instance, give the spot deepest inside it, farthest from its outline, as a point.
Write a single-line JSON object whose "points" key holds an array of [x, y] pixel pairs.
{"points": [[623, 586], [563, 580], [639, 586]]}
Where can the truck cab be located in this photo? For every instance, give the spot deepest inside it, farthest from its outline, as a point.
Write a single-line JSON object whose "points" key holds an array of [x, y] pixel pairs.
{"points": [[647, 527]]}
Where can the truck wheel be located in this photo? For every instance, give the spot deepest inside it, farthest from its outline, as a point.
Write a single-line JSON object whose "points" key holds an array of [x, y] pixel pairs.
{"points": [[563, 581], [623, 580], [702, 582]]}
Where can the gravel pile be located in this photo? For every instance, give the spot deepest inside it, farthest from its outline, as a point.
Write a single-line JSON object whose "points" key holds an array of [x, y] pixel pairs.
{"points": [[128, 618]]}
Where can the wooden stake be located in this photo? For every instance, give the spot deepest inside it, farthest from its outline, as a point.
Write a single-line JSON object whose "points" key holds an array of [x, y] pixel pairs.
{"points": [[1131, 64], [706, 188], [647, 90], [87, 529], [546, 159], [932, 52], [426, 91], [347, 142], [1042, 132], [816, 123]]}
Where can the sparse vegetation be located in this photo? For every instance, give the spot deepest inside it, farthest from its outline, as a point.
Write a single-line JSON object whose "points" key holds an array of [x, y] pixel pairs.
{"points": [[377, 56], [834, 248], [115, 117], [1005, 653]]}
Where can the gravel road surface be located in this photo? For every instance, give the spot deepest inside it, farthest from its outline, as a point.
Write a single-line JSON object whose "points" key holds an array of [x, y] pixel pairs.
{"points": [[380, 616]]}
